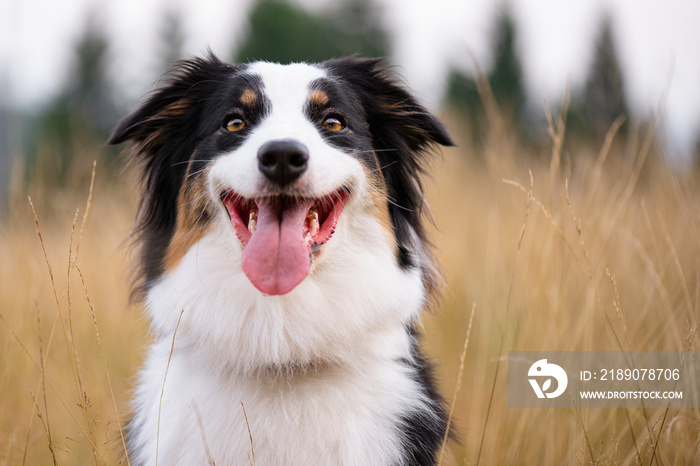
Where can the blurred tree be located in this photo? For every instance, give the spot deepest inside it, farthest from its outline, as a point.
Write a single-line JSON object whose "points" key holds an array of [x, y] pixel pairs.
{"points": [[282, 32], [172, 37], [89, 92], [603, 97], [505, 78], [361, 28], [82, 114], [462, 93], [10, 134]]}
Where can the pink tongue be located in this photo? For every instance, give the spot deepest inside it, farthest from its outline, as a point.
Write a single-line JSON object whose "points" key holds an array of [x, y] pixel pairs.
{"points": [[276, 258]]}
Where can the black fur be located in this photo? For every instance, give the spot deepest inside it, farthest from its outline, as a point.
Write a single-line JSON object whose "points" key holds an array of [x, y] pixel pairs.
{"points": [[424, 432]]}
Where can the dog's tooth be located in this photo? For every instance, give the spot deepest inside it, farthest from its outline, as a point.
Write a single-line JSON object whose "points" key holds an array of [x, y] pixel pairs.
{"points": [[313, 222], [307, 238], [252, 221]]}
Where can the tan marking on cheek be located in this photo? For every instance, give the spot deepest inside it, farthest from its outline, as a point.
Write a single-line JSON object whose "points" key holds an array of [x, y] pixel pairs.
{"points": [[248, 98], [318, 98], [432, 276], [379, 201], [191, 223]]}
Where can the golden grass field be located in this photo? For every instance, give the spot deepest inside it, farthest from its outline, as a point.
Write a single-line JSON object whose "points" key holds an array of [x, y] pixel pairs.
{"points": [[588, 245]]}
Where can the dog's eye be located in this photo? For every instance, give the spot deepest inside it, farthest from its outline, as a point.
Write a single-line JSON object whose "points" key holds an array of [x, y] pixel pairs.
{"points": [[333, 124], [234, 124]]}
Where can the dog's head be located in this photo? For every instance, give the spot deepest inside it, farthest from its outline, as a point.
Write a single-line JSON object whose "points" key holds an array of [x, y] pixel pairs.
{"points": [[299, 175]]}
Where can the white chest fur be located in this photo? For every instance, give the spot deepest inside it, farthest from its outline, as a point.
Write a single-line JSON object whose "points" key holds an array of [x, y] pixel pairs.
{"points": [[326, 415], [346, 407]]}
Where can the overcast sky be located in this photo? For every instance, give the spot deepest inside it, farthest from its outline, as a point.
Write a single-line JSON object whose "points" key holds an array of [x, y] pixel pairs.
{"points": [[658, 41]]}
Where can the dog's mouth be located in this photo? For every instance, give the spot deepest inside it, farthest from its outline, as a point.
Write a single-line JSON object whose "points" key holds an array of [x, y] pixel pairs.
{"points": [[281, 235]]}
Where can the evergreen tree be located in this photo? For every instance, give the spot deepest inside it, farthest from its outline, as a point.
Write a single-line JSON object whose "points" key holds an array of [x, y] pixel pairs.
{"points": [[88, 91], [82, 114], [505, 78], [361, 28], [283, 32], [462, 93], [9, 123], [172, 38], [603, 97]]}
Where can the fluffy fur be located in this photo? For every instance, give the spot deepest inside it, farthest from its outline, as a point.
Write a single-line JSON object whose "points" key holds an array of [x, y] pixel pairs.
{"points": [[329, 371]]}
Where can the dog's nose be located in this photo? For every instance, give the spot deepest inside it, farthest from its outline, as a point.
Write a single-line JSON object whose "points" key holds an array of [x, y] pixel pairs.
{"points": [[283, 161]]}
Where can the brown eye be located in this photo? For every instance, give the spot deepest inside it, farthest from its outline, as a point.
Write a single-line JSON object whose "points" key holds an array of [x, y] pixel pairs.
{"points": [[332, 124], [234, 124]]}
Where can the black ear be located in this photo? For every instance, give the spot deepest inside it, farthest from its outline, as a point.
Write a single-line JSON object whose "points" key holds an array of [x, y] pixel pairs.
{"points": [[403, 132], [383, 96], [164, 131], [166, 107]]}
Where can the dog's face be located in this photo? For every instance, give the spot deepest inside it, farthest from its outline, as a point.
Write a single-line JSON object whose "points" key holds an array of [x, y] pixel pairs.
{"points": [[286, 173], [292, 185]]}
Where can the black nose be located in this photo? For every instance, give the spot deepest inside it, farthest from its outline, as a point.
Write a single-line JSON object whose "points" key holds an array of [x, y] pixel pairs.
{"points": [[283, 161]]}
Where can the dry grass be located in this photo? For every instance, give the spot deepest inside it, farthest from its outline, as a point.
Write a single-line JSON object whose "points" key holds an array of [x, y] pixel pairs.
{"points": [[590, 247], [69, 341], [598, 252]]}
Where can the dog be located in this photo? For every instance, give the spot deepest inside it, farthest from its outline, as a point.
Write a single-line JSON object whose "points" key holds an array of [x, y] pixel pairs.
{"points": [[284, 265]]}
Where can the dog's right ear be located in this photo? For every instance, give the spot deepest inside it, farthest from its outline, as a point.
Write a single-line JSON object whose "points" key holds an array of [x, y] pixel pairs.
{"points": [[164, 132], [165, 109]]}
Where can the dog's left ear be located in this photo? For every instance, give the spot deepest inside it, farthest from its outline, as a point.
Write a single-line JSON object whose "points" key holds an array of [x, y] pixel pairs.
{"points": [[389, 105]]}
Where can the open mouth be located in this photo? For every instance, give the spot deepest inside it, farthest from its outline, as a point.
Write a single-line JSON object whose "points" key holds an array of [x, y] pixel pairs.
{"points": [[281, 234]]}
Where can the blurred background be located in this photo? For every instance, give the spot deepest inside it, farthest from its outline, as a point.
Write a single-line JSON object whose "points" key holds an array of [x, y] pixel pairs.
{"points": [[80, 64], [568, 218]]}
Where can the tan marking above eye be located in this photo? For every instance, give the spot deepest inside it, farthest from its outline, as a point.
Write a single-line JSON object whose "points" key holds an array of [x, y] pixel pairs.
{"points": [[249, 97], [332, 124], [235, 124], [319, 97]]}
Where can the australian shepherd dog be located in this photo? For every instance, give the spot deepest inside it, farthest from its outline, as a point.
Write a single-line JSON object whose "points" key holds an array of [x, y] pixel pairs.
{"points": [[284, 266]]}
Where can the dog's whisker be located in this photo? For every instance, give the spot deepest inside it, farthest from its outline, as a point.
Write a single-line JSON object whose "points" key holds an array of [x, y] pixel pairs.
{"points": [[389, 199], [195, 200], [186, 162], [190, 175], [384, 166], [372, 151]]}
